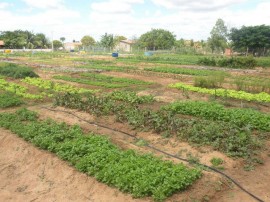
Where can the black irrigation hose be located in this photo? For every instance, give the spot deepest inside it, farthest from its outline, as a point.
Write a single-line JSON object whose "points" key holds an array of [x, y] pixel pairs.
{"points": [[163, 152]]}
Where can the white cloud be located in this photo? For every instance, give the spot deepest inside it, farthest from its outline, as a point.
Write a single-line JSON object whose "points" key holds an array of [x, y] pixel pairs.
{"points": [[185, 23], [115, 6], [44, 4], [195, 5], [108, 16], [110, 7], [4, 5]]}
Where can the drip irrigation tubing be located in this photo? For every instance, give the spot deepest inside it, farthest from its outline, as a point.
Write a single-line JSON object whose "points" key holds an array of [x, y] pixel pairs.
{"points": [[160, 151]]}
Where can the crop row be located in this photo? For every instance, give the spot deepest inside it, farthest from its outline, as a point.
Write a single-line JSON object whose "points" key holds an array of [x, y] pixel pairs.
{"points": [[213, 111], [230, 62], [260, 97], [163, 59], [187, 71], [130, 97], [55, 86], [252, 84], [101, 77], [226, 137], [91, 82], [17, 89], [8, 99], [109, 67], [139, 174], [16, 71]]}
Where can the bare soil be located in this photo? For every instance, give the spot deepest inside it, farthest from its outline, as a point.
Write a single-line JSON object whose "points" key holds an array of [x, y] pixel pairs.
{"points": [[30, 174]]}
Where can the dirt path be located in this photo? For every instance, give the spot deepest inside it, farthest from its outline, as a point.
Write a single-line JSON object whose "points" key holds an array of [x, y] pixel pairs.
{"points": [[30, 174]]}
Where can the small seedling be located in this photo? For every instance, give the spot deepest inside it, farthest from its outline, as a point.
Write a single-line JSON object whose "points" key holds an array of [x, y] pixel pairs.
{"points": [[217, 162]]}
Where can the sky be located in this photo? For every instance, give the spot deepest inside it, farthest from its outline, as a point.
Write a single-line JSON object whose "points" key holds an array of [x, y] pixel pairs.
{"points": [[73, 19]]}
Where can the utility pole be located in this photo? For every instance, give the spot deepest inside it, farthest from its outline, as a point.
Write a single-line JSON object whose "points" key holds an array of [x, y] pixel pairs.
{"points": [[52, 41]]}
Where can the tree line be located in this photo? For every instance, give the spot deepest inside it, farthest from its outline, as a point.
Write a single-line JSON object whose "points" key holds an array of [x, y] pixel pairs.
{"points": [[247, 39], [19, 39]]}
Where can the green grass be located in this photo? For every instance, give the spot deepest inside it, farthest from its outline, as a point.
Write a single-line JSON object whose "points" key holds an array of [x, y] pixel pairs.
{"points": [[16, 71], [141, 175]]}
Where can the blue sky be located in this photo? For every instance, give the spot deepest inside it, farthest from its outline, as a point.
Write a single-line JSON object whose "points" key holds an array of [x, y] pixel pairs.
{"points": [[188, 19]]}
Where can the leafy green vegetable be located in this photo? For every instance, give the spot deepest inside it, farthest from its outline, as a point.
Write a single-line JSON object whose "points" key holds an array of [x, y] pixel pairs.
{"points": [[213, 111], [139, 174], [187, 71], [226, 137], [9, 100], [56, 87], [260, 97], [17, 89], [16, 71]]}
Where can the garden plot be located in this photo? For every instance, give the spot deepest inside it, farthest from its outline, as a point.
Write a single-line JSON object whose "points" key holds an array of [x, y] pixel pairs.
{"points": [[236, 146]]}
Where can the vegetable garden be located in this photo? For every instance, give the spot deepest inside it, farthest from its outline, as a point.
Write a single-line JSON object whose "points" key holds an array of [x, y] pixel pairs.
{"points": [[207, 116]]}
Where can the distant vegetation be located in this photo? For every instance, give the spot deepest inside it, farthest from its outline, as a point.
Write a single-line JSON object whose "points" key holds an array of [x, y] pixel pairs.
{"points": [[231, 62], [24, 39]]}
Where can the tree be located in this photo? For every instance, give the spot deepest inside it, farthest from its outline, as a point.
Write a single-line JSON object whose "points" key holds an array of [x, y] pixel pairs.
{"points": [[88, 41], [251, 39], [40, 41], [219, 35], [29, 36], [157, 39], [107, 41], [57, 44], [192, 43], [117, 39], [24, 39], [180, 43], [62, 39]]}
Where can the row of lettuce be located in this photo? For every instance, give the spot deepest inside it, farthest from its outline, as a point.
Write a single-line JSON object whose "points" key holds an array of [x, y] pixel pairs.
{"points": [[139, 174], [227, 93], [53, 87]]}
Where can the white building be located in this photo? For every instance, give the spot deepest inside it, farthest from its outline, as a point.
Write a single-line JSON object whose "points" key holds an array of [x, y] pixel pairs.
{"points": [[125, 45]]}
